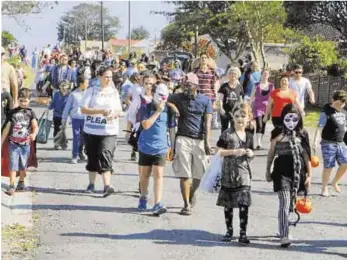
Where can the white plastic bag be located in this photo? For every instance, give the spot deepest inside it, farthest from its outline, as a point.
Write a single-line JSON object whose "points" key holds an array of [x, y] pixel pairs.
{"points": [[210, 182]]}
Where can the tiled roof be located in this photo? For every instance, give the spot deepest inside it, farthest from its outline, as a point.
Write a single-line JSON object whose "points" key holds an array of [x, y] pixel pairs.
{"points": [[122, 42]]}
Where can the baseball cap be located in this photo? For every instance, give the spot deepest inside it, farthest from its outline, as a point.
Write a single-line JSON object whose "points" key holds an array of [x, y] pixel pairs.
{"points": [[192, 78]]}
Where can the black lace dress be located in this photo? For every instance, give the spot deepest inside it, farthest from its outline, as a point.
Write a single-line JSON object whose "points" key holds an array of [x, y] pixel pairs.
{"points": [[236, 173]]}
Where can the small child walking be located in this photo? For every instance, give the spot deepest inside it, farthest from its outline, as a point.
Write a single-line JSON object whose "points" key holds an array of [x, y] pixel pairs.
{"points": [[236, 147], [21, 129]]}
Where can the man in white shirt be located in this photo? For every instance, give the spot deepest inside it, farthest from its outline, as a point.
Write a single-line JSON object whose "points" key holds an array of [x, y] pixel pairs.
{"points": [[301, 85]]}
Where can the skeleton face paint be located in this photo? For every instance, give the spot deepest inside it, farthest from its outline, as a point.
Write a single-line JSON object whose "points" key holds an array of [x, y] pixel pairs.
{"points": [[291, 120]]}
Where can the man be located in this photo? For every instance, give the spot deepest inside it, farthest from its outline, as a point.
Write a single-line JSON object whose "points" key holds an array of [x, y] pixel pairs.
{"points": [[176, 74], [332, 127], [301, 85], [154, 61], [61, 72], [208, 83], [9, 81], [192, 138]]}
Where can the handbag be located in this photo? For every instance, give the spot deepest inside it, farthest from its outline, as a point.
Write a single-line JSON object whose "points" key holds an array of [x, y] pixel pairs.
{"points": [[210, 182], [44, 128]]}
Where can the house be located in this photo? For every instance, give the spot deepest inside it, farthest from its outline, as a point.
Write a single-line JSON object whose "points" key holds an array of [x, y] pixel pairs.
{"points": [[119, 46]]}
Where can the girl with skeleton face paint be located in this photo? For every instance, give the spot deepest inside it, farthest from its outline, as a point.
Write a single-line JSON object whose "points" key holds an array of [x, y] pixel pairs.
{"points": [[291, 173]]}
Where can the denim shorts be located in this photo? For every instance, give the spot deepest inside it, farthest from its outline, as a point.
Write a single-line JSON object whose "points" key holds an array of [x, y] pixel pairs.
{"points": [[18, 156], [333, 152]]}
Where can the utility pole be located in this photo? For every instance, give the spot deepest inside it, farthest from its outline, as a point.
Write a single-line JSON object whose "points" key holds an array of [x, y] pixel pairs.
{"points": [[102, 26], [196, 49], [129, 26]]}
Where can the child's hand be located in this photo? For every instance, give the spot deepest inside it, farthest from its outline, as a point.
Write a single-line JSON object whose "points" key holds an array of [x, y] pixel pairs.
{"points": [[240, 152], [249, 153]]}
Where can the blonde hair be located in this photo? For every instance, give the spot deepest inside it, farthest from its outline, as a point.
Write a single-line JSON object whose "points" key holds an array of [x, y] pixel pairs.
{"points": [[234, 69]]}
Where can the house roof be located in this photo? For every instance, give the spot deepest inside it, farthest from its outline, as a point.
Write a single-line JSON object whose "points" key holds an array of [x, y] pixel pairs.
{"points": [[123, 42]]}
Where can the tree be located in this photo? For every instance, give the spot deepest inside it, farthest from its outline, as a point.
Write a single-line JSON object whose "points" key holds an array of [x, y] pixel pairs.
{"points": [[11, 8], [139, 33], [205, 46], [84, 22], [173, 37], [7, 39], [301, 15]]}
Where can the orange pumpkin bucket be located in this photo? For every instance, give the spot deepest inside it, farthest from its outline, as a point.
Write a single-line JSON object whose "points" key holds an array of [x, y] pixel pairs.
{"points": [[314, 161], [304, 205]]}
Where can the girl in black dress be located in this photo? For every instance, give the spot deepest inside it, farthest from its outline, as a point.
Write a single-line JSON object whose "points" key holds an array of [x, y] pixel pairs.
{"points": [[292, 169], [236, 146]]}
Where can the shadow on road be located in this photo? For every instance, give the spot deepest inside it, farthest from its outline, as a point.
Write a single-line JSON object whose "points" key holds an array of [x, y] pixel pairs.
{"points": [[207, 239]]}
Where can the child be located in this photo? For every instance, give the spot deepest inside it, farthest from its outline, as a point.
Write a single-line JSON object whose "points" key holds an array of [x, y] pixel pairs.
{"points": [[21, 129], [332, 128], [290, 146], [58, 104], [236, 146]]}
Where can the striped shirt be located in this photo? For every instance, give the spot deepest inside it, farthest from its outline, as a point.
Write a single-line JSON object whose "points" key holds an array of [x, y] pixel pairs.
{"points": [[206, 82]]}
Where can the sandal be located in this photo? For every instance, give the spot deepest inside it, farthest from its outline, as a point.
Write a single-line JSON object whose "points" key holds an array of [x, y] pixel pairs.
{"points": [[186, 211]]}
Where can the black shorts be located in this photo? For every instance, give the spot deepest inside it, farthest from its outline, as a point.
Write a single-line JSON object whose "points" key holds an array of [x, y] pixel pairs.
{"points": [[150, 160], [100, 150]]}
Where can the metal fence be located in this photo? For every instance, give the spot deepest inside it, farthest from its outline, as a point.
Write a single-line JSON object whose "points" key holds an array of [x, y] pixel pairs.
{"points": [[323, 87]]}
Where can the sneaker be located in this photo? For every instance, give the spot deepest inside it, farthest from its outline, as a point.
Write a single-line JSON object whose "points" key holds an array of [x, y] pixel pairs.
{"points": [[244, 240], [11, 190], [159, 209], [90, 188], [20, 186], [108, 190], [142, 204], [133, 156], [74, 161], [285, 242], [82, 157]]}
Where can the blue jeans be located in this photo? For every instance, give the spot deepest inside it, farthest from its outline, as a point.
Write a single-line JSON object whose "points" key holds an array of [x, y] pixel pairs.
{"points": [[18, 156], [77, 130]]}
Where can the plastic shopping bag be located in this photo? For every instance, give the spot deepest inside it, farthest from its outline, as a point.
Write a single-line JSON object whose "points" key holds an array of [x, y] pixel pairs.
{"points": [[60, 140], [210, 182], [44, 128]]}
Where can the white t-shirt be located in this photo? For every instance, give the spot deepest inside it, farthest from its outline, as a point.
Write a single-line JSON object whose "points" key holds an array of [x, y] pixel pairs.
{"points": [[98, 98], [300, 87]]}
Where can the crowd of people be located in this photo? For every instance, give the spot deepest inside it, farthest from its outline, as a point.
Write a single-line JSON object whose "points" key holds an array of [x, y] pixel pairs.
{"points": [[169, 115]]}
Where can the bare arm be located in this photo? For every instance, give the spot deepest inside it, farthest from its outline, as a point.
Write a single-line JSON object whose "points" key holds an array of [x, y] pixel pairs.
{"points": [[298, 105], [14, 86], [252, 97], [5, 133], [269, 109], [231, 152], [93, 111], [146, 124], [311, 94], [271, 155], [208, 120]]}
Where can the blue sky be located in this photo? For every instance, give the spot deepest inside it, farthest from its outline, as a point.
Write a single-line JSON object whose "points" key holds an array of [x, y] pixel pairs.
{"points": [[43, 26]]}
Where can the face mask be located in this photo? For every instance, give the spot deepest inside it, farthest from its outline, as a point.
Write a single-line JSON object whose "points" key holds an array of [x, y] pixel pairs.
{"points": [[290, 121], [159, 98]]}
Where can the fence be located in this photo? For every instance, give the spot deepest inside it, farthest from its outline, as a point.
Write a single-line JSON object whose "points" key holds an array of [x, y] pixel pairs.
{"points": [[323, 87]]}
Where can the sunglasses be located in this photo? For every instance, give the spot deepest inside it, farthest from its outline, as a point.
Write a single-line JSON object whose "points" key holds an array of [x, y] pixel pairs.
{"points": [[298, 72]]}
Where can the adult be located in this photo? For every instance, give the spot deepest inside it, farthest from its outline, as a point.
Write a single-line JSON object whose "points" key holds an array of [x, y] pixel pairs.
{"points": [[176, 74], [23, 54], [73, 65], [73, 109], [279, 98], [61, 72], [47, 51], [154, 61], [192, 139], [34, 58], [332, 127], [9, 81], [102, 109], [301, 86], [249, 78], [132, 68], [153, 144], [260, 98], [207, 82], [229, 94]]}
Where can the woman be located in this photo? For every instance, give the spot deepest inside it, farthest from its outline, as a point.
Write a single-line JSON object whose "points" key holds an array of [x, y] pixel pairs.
{"points": [[260, 98], [229, 94], [102, 109], [279, 98], [249, 78], [292, 169], [73, 109]]}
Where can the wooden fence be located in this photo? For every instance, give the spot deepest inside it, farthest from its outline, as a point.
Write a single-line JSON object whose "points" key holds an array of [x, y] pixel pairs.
{"points": [[323, 87]]}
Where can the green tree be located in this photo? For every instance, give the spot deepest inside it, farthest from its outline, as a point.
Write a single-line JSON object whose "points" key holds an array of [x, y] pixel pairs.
{"points": [[173, 37], [84, 22], [7, 39], [139, 33]]}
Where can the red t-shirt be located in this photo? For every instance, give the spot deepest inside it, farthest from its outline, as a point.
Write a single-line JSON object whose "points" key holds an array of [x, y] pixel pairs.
{"points": [[280, 100]]}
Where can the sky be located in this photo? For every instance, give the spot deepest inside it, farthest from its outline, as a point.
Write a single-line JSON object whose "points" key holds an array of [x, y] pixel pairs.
{"points": [[43, 26]]}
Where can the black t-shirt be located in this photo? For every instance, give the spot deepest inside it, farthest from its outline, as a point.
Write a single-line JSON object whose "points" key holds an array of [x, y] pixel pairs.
{"points": [[6, 106], [20, 119], [334, 127], [230, 96]]}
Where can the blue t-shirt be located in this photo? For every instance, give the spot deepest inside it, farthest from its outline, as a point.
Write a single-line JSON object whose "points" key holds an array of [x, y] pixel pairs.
{"points": [[154, 140], [191, 122], [58, 104]]}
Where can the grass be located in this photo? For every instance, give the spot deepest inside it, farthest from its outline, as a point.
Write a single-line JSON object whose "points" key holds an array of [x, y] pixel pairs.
{"points": [[311, 118], [17, 240]]}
